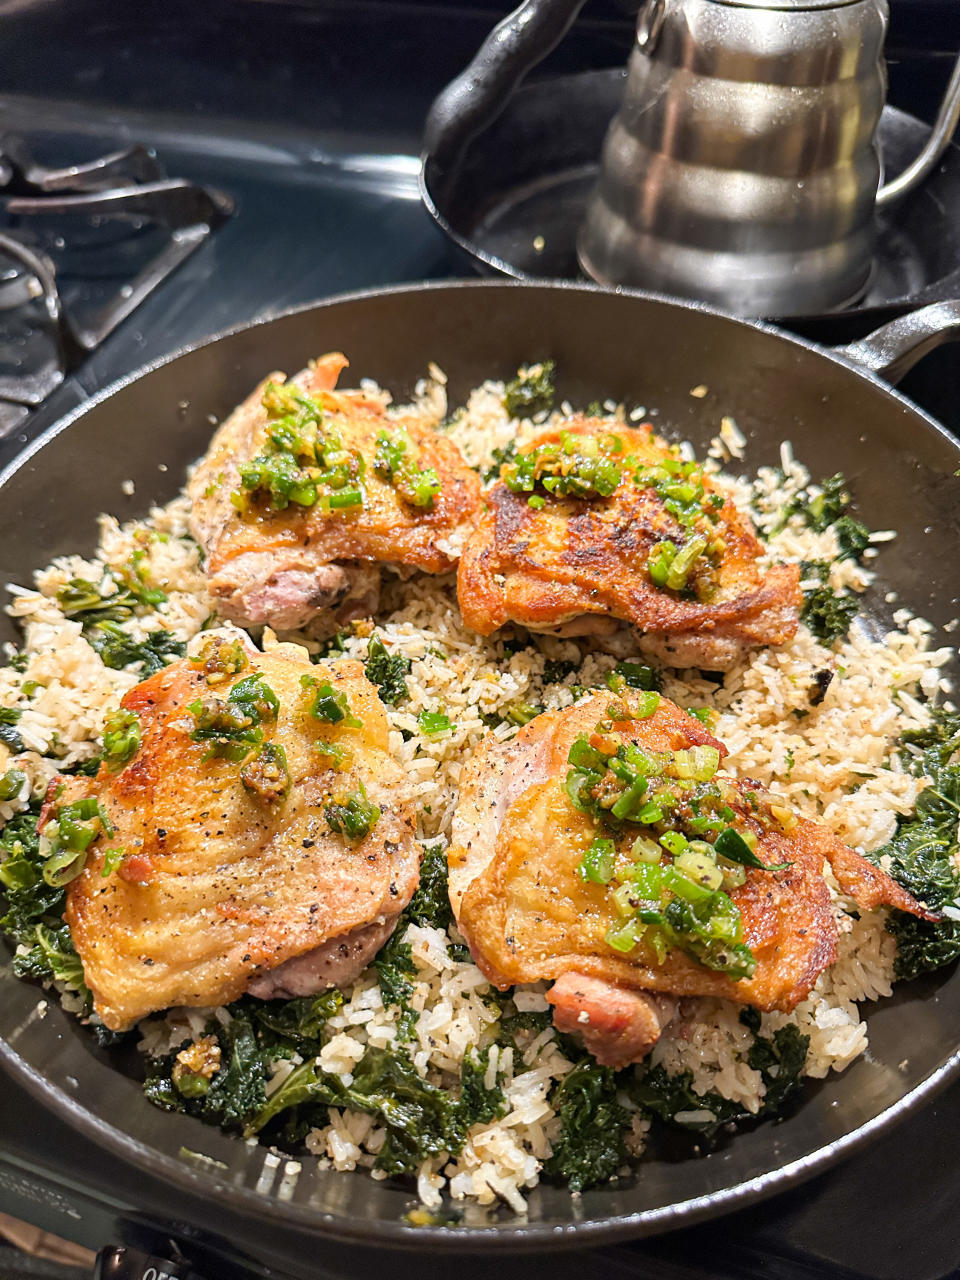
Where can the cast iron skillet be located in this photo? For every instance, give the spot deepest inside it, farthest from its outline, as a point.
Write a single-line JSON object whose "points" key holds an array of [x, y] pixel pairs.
{"points": [[640, 349]]}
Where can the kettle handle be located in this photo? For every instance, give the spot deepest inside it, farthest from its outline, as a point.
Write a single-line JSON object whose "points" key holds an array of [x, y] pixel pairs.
{"points": [[923, 164], [479, 93]]}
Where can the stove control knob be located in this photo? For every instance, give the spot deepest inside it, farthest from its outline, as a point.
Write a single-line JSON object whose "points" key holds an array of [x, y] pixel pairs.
{"points": [[121, 1263]]}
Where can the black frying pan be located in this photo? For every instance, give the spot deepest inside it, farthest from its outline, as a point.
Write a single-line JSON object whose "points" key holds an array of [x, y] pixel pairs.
{"points": [[838, 414]]}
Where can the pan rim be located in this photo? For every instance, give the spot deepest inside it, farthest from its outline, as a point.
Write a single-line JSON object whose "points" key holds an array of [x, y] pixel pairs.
{"points": [[507, 1235]]}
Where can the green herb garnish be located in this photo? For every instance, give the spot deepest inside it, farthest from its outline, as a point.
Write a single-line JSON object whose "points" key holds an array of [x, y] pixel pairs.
{"points": [[393, 462], [577, 465], [351, 814], [433, 723], [121, 739], [11, 784], [300, 464], [67, 837], [265, 774], [329, 704]]}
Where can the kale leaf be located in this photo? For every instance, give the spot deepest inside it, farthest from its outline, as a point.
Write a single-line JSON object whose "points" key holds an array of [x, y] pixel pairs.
{"points": [[237, 1091], [51, 954], [430, 905], [828, 614], [291, 1026], [852, 536], [819, 510], [117, 649], [395, 967], [922, 857], [635, 675], [829, 507], [531, 391], [779, 1059], [591, 1145], [500, 457], [937, 741], [386, 671], [422, 1119], [556, 670], [668, 1096]]}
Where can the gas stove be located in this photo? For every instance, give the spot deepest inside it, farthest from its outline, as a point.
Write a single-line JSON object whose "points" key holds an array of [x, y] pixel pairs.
{"points": [[296, 127]]}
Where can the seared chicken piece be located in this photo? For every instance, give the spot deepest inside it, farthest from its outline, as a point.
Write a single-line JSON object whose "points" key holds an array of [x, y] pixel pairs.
{"points": [[305, 491], [623, 906], [593, 523], [222, 865]]}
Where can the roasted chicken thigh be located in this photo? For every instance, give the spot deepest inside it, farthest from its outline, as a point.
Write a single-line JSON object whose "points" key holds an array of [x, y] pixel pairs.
{"points": [[593, 523], [306, 491], [602, 848], [245, 833]]}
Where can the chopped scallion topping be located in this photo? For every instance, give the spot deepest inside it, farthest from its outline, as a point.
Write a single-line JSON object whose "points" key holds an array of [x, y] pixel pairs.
{"points": [[416, 485], [121, 739], [330, 704], [352, 814]]}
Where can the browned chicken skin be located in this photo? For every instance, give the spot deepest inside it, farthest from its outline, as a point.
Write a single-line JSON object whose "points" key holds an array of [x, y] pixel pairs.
{"points": [[298, 566], [222, 890], [578, 564], [528, 915]]}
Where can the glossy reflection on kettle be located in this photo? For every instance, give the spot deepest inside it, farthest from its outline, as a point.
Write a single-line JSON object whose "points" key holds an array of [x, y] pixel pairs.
{"points": [[742, 167]]}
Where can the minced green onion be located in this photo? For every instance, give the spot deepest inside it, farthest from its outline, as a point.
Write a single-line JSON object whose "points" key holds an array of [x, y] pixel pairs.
{"points": [[416, 485], [732, 846], [265, 774], [644, 849], [352, 814], [69, 835], [433, 722], [624, 937], [112, 859], [11, 784], [121, 739], [578, 466], [683, 562], [300, 463], [700, 868], [596, 865], [331, 751], [699, 763], [330, 704], [635, 675]]}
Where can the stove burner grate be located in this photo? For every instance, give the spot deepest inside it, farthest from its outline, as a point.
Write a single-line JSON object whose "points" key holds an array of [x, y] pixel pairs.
{"points": [[80, 248]]}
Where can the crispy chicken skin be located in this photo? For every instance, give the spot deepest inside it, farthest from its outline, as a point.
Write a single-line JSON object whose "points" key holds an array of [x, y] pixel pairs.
{"points": [[527, 915], [220, 891], [578, 564], [300, 566]]}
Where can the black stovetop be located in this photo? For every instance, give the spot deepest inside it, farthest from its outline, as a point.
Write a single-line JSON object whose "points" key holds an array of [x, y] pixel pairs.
{"points": [[309, 115]]}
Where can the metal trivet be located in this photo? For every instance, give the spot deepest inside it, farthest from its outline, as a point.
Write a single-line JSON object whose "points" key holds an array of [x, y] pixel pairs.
{"points": [[80, 249]]}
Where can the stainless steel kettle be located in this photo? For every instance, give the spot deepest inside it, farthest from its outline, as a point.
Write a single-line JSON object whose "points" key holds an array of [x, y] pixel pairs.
{"points": [[742, 167]]}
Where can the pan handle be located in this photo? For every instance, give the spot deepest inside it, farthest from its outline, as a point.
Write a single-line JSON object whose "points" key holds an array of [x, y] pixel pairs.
{"points": [[479, 93], [891, 351]]}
